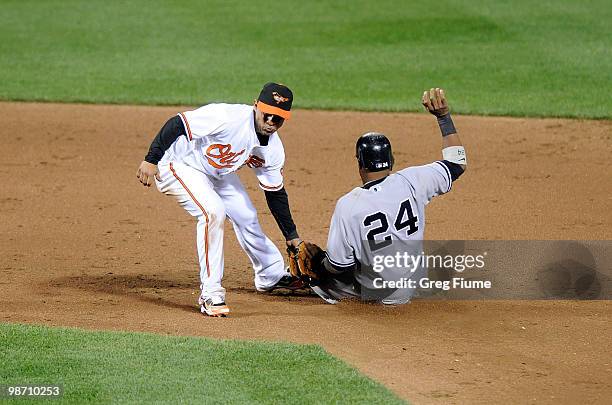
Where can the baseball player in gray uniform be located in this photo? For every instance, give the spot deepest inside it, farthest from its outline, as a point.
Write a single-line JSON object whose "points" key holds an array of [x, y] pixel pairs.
{"points": [[388, 207]]}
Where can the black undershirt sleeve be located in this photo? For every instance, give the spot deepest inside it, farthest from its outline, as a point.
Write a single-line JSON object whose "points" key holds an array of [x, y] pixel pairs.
{"points": [[278, 202], [172, 129], [454, 169]]}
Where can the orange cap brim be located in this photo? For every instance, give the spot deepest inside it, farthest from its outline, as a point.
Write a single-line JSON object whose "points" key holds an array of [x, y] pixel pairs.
{"points": [[269, 109]]}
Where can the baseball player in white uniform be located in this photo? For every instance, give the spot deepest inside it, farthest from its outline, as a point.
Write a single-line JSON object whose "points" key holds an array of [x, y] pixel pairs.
{"points": [[194, 158], [387, 207]]}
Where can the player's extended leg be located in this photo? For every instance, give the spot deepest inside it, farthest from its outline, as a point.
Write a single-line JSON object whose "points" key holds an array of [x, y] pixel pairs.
{"points": [[194, 192], [267, 260]]}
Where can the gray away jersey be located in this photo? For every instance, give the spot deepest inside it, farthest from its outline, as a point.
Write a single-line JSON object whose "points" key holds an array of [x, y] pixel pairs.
{"points": [[381, 211]]}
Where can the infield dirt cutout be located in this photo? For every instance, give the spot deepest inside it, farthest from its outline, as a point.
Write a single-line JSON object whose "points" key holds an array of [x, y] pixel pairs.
{"points": [[84, 244]]}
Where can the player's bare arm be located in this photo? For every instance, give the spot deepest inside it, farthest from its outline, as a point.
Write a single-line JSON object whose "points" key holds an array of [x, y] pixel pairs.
{"points": [[434, 101]]}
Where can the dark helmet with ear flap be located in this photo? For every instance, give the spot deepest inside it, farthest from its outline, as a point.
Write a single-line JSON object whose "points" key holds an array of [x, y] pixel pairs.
{"points": [[373, 152]]}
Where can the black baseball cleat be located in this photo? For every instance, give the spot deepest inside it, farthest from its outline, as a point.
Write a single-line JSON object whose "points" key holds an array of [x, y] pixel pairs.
{"points": [[287, 282]]}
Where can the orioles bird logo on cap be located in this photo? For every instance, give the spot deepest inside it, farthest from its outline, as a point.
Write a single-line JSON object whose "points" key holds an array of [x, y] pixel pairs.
{"points": [[278, 98]]}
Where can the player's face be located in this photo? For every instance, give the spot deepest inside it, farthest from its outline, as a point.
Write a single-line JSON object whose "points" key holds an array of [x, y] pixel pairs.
{"points": [[267, 124]]}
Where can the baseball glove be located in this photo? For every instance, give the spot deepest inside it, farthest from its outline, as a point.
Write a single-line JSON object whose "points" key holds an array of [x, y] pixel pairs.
{"points": [[305, 261]]}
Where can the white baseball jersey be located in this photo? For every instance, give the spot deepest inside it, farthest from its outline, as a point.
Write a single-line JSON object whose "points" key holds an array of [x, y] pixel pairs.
{"points": [[383, 210], [221, 139], [199, 172]]}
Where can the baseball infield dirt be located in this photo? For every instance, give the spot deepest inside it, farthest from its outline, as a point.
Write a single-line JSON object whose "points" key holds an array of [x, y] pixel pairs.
{"points": [[84, 244]]}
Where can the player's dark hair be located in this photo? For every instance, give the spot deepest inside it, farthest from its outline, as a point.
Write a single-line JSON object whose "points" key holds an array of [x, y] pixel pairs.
{"points": [[373, 152]]}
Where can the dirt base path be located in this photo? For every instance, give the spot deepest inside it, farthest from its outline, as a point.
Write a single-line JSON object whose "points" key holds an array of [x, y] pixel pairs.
{"points": [[83, 244]]}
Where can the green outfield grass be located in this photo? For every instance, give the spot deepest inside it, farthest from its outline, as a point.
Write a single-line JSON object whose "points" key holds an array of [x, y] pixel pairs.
{"points": [[545, 58], [138, 367]]}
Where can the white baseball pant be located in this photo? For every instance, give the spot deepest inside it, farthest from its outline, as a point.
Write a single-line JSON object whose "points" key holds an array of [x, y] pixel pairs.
{"points": [[210, 200]]}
